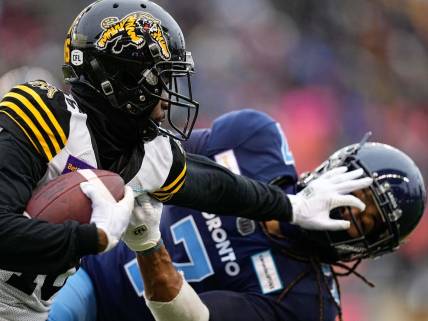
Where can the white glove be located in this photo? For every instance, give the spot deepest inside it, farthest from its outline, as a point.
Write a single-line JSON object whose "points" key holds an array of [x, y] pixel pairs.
{"points": [[107, 214], [143, 231], [312, 206]]}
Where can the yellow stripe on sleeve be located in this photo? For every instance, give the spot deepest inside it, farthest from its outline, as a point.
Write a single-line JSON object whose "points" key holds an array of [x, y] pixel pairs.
{"points": [[167, 197], [39, 118], [47, 110], [172, 185], [30, 124], [22, 128]]}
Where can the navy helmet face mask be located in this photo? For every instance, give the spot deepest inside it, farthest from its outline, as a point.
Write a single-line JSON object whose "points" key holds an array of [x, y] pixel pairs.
{"points": [[133, 53], [398, 191]]}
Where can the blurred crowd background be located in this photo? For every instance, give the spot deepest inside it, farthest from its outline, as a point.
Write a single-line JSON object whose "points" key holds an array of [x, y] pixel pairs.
{"points": [[328, 71]]}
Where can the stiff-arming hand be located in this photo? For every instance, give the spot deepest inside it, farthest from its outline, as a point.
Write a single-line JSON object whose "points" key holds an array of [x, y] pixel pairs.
{"points": [[108, 215], [143, 230], [312, 206]]}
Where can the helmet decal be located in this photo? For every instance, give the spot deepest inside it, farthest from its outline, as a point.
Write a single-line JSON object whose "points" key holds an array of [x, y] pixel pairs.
{"points": [[134, 58], [70, 33], [133, 27], [67, 44], [76, 57]]}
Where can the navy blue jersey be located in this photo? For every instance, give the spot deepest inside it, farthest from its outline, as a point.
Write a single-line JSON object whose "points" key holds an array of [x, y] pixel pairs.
{"points": [[231, 253], [218, 252]]}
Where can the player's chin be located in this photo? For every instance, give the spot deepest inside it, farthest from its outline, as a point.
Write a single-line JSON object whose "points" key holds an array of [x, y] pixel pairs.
{"points": [[158, 118], [158, 112]]}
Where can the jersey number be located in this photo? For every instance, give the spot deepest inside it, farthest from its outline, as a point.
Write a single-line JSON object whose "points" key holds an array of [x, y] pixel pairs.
{"points": [[27, 283], [286, 152], [199, 265]]}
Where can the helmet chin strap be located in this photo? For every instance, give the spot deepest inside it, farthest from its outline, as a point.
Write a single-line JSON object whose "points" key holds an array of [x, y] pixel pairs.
{"points": [[105, 84], [149, 131]]}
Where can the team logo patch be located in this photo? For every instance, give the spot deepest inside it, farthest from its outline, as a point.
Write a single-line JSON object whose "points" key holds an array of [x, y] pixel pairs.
{"points": [[131, 31], [77, 57], [266, 271], [51, 89], [245, 226], [73, 164]]}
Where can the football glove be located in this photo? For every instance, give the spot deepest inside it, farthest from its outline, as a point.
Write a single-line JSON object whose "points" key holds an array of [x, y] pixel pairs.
{"points": [[143, 231], [312, 206], [108, 215]]}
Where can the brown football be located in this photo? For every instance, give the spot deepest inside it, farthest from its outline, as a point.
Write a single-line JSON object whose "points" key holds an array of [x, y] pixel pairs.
{"points": [[62, 199]]}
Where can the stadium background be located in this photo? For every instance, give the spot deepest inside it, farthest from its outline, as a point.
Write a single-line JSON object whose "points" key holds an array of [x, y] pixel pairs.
{"points": [[327, 70]]}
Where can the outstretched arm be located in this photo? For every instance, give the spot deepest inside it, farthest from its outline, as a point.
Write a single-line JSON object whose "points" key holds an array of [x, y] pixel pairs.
{"points": [[213, 188]]}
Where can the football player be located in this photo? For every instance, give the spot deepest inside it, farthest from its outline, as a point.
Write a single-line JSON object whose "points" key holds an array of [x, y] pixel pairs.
{"points": [[129, 71], [241, 269]]}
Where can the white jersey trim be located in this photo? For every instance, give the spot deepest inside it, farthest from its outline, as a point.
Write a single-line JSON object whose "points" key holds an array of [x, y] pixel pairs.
{"points": [[157, 163]]}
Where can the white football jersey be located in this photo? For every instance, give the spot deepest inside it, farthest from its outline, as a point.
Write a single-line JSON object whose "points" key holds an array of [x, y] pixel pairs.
{"points": [[65, 142]]}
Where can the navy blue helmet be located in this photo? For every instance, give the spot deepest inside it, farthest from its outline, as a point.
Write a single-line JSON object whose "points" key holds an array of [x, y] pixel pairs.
{"points": [[133, 53], [398, 192]]}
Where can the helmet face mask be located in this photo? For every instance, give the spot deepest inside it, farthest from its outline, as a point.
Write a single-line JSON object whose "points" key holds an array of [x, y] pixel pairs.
{"points": [[133, 53], [395, 203], [175, 81]]}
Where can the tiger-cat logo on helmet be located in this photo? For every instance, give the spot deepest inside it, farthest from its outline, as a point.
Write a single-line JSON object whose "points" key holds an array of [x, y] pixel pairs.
{"points": [[130, 30]]}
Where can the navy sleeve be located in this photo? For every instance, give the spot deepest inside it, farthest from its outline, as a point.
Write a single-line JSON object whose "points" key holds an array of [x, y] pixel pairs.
{"points": [[258, 142]]}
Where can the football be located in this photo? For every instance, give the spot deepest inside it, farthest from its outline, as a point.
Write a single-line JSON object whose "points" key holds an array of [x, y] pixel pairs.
{"points": [[62, 199]]}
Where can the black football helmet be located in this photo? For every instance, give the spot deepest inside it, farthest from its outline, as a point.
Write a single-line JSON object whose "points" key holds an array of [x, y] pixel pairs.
{"points": [[398, 191], [133, 53]]}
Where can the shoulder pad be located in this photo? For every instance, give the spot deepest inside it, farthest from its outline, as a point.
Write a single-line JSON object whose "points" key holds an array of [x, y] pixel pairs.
{"points": [[234, 128], [255, 142], [36, 113]]}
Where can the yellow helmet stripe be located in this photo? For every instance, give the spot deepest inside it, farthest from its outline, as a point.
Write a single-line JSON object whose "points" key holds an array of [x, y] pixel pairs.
{"points": [[47, 111], [30, 124]]}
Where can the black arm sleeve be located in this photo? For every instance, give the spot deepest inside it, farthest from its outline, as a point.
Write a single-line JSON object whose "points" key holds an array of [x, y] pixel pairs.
{"points": [[29, 245], [212, 188]]}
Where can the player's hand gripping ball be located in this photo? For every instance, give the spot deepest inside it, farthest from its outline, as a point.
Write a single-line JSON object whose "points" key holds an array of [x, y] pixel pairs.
{"points": [[62, 199]]}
